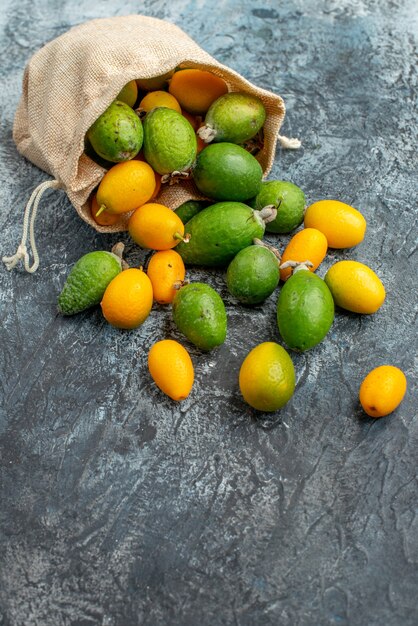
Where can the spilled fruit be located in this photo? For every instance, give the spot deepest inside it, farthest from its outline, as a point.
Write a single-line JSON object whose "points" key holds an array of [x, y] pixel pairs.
{"points": [[308, 244], [171, 368], [218, 232], [253, 274], [166, 271], [127, 301], [199, 313], [355, 287], [88, 279], [225, 171], [287, 198], [342, 225], [382, 390], [267, 377], [305, 310]]}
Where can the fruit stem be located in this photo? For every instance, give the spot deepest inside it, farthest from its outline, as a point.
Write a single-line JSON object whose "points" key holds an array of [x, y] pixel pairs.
{"points": [[268, 213], [174, 177], [101, 209], [117, 250], [272, 249], [184, 238], [179, 284], [296, 265], [207, 133]]}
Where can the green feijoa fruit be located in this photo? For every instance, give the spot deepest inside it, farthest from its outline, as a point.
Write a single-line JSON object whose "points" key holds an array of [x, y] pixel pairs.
{"points": [[289, 201], [305, 310], [117, 134], [189, 209], [170, 143], [128, 93], [234, 117], [253, 275], [218, 232], [88, 150], [225, 171], [87, 281], [199, 313]]}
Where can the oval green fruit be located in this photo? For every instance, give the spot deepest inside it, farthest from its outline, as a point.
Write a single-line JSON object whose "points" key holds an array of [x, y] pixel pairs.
{"points": [[189, 209], [225, 171], [287, 198], [87, 281], [234, 117], [253, 275], [117, 134], [199, 313], [305, 310], [129, 93], [170, 143], [218, 232]]}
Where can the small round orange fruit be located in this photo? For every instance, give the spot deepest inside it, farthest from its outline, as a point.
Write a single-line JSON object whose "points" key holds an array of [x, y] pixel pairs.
{"points": [[128, 298], [382, 391], [195, 90], [171, 368], [155, 226], [165, 269], [125, 187], [343, 226], [155, 99], [104, 218], [308, 244]]}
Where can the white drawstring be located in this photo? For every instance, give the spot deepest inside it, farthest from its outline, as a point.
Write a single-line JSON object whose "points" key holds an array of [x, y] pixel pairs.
{"points": [[289, 143], [28, 225]]}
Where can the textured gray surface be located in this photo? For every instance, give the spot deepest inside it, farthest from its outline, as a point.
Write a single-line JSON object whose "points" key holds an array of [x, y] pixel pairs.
{"points": [[119, 507]]}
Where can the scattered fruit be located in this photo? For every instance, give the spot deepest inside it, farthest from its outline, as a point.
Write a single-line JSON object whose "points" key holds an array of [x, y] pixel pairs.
{"points": [[166, 271], [169, 141], [196, 89], [267, 377], [234, 117], [225, 171], [382, 391], [117, 134], [218, 232], [355, 287], [125, 187], [287, 198], [129, 93], [343, 226], [128, 298], [253, 274], [87, 281], [199, 313], [155, 226], [308, 244], [155, 99], [305, 310], [171, 368]]}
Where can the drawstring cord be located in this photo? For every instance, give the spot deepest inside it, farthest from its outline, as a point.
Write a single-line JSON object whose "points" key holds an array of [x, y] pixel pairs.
{"points": [[29, 228]]}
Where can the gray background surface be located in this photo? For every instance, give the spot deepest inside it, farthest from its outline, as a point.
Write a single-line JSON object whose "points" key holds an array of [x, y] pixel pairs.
{"points": [[120, 507]]}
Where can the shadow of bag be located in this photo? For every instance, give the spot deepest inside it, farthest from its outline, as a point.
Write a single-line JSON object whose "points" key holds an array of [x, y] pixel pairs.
{"points": [[72, 80]]}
